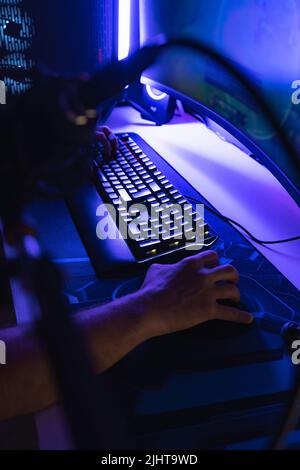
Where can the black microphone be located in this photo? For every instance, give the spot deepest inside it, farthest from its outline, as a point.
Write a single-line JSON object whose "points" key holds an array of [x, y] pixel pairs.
{"points": [[112, 79]]}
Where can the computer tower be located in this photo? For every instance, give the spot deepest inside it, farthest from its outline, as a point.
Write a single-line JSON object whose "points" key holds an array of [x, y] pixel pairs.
{"points": [[64, 37]]}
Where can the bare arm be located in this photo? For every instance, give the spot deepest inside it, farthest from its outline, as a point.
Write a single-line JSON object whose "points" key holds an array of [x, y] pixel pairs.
{"points": [[26, 381], [173, 298]]}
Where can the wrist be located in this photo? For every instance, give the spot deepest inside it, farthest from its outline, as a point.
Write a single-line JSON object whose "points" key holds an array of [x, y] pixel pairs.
{"points": [[150, 324]]}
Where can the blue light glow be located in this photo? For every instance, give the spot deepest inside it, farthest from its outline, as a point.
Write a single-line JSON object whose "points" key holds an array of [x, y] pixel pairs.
{"points": [[124, 28]]}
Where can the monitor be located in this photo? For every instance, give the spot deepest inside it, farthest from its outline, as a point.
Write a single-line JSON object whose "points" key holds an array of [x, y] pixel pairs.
{"points": [[260, 37]]}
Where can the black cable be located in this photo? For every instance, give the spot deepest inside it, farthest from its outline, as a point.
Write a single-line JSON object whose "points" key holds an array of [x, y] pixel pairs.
{"points": [[241, 77], [252, 237]]}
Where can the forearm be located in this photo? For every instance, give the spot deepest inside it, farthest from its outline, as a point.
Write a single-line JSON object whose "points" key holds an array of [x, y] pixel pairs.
{"points": [[173, 298], [109, 332]]}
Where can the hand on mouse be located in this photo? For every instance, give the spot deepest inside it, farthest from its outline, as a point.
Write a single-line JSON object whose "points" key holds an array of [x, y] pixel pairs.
{"points": [[186, 294]]}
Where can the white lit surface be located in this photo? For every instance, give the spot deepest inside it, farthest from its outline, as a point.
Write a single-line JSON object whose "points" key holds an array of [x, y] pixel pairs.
{"points": [[124, 28]]}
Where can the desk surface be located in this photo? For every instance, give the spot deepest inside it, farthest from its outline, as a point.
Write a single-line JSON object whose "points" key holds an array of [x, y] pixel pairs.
{"points": [[216, 169], [230, 180]]}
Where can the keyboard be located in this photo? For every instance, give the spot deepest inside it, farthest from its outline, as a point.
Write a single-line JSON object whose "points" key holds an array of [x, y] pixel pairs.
{"points": [[144, 198]]}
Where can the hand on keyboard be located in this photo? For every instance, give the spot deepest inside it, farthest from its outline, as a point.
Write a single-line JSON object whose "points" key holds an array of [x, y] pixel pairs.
{"points": [[186, 294], [167, 223], [108, 140]]}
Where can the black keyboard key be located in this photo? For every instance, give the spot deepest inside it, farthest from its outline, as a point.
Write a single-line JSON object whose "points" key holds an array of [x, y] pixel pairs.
{"points": [[149, 243], [165, 199], [117, 201], [133, 230], [101, 176], [124, 195], [142, 193], [110, 191], [123, 210], [154, 187]]}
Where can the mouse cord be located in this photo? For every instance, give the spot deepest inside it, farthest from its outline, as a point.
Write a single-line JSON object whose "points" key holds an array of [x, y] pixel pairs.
{"points": [[250, 235]]}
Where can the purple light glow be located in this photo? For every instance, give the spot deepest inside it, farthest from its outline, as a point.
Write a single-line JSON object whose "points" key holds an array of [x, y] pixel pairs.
{"points": [[124, 28]]}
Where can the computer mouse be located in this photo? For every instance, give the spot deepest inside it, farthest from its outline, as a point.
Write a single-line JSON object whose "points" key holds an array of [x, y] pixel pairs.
{"points": [[218, 329], [247, 303], [239, 305]]}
